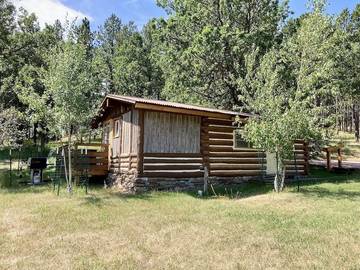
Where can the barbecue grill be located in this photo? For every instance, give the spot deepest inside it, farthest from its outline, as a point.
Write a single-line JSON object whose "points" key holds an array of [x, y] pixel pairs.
{"points": [[36, 166]]}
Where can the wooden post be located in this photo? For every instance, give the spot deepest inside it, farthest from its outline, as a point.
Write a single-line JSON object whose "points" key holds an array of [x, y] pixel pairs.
{"points": [[204, 148], [131, 137], [306, 151], [140, 154], [76, 167], [339, 158], [328, 159]]}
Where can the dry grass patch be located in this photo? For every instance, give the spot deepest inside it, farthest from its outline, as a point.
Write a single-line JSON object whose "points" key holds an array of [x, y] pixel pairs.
{"points": [[316, 228]]}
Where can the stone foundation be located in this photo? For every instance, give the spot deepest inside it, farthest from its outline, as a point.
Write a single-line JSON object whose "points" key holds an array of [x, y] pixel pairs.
{"points": [[128, 182]]}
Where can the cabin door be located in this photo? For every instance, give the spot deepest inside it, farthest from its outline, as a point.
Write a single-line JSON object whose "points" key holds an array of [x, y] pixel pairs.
{"points": [[116, 138]]}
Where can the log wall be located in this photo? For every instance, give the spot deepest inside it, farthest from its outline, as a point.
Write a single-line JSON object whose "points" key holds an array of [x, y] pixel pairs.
{"points": [[224, 160], [159, 150]]}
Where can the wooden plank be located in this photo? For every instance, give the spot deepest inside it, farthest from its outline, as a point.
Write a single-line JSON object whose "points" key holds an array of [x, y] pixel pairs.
{"points": [[164, 166], [173, 174], [172, 155], [224, 166], [222, 129], [172, 160], [246, 160], [218, 135], [235, 173], [97, 154], [140, 154], [306, 158], [292, 167], [220, 122], [161, 108], [228, 149], [221, 142], [98, 172], [205, 144], [298, 162], [237, 154], [131, 132], [92, 145]]}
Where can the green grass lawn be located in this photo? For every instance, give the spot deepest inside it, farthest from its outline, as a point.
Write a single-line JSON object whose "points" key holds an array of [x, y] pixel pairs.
{"points": [[317, 228]]}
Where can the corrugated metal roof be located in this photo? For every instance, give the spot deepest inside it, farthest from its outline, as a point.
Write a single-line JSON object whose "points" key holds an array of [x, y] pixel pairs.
{"points": [[134, 100]]}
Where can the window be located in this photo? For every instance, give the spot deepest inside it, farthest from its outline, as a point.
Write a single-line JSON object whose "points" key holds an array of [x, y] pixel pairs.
{"points": [[239, 140], [117, 128]]}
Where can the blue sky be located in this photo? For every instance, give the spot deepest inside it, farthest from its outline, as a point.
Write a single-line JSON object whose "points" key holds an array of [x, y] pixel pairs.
{"points": [[139, 11]]}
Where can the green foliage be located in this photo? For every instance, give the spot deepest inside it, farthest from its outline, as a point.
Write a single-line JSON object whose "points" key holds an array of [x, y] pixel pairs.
{"points": [[207, 45], [71, 87], [11, 128], [283, 114]]}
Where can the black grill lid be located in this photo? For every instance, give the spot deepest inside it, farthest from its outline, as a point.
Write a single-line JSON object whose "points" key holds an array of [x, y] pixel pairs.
{"points": [[37, 163]]}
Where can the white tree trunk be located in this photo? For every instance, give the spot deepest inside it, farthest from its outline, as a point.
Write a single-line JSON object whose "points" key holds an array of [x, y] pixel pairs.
{"points": [[69, 187], [279, 181]]}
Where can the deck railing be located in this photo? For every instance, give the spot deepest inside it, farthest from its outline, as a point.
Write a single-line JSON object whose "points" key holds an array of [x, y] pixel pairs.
{"points": [[91, 159]]}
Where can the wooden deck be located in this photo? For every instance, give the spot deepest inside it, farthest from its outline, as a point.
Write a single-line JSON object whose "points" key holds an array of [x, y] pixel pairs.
{"points": [[91, 159]]}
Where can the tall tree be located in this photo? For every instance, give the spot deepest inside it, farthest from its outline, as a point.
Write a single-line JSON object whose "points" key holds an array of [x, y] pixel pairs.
{"points": [[283, 114], [206, 45], [72, 89], [109, 36], [136, 71], [84, 36]]}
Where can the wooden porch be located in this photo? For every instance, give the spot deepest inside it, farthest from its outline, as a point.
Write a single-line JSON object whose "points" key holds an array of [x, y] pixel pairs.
{"points": [[91, 159]]}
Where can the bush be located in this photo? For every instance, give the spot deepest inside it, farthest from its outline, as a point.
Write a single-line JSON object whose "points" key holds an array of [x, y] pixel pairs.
{"points": [[5, 181]]}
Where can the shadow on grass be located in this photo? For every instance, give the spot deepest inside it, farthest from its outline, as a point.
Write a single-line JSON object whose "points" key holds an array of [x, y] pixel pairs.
{"points": [[319, 176], [26, 189], [321, 192], [242, 191], [105, 197]]}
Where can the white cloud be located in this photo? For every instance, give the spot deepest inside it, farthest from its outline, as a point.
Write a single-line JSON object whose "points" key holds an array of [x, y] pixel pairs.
{"points": [[48, 11]]}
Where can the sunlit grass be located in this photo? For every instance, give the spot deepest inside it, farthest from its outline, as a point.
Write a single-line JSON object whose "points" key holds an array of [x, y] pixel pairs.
{"points": [[315, 228]]}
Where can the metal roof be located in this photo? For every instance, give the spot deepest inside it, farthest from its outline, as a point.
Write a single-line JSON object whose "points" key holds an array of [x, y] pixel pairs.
{"points": [[134, 100]]}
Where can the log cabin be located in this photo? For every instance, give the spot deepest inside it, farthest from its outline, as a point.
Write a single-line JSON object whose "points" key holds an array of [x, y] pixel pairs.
{"points": [[160, 145]]}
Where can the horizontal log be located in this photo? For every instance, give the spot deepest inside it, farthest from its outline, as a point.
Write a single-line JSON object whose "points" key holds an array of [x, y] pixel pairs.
{"points": [[224, 129], [230, 149], [235, 173], [172, 160], [292, 167], [217, 135], [298, 162], [246, 160], [237, 154], [222, 166], [172, 154], [174, 174], [221, 142], [222, 122], [160, 166]]}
